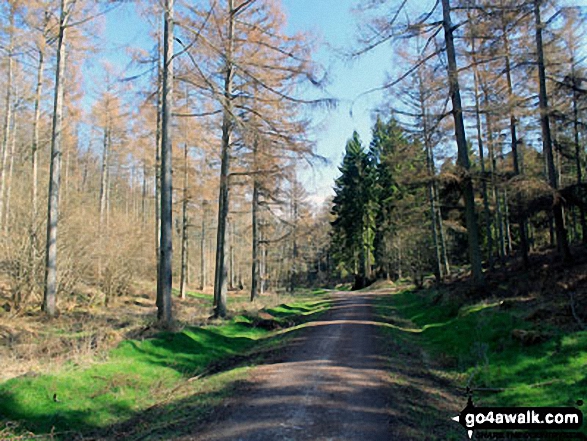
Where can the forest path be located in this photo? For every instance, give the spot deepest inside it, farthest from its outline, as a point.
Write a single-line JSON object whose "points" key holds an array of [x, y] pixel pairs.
{"points": [[335, 383]]}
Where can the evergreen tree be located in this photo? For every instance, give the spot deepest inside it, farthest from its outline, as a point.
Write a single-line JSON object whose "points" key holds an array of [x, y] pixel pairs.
{"points": [[354, 224], [387, 140]]}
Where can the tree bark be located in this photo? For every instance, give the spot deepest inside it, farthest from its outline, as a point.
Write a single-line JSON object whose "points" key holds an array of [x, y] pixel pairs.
{"points": [[484, 194], [463, 154], [50, 295], [522, 222], [578, 153], [263, 262], [431, 176], [65, 190], [10, 173], [144, 195], [158, 157], [203, 268], [7, 115], [35, 174], [560, 230], [165, 276], [184, 226], [255, 232], [294, 243], [231, 271], [220, 275], [493, 163], [104, 184], [508, 225], [443, 247]]}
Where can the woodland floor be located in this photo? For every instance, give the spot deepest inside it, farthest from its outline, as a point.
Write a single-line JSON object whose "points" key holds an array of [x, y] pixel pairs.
{"points": [[361, 371], [339, 380]]}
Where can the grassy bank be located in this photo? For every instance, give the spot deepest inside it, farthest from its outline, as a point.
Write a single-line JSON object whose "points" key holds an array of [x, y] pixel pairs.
{"points": [[189, 369], [491, 346]]}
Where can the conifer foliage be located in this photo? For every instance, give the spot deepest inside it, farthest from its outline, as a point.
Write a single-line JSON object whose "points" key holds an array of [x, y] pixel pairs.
{"points": [[378, 207], [353, 227]]}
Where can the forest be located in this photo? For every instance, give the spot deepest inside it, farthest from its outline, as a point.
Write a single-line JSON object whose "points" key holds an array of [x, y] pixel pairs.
{"points": [[160, 240], [516, 185]]}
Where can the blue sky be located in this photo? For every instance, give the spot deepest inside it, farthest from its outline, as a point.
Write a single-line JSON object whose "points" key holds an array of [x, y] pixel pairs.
{"points": [[334, 24], [329, 21]]}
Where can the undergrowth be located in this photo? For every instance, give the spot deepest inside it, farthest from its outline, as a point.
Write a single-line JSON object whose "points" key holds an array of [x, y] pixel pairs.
{"points": [[195, 365], [473, 344]]}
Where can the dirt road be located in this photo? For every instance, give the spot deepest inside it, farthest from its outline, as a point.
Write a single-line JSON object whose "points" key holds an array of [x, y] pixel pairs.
{"points": [[334, 384]]}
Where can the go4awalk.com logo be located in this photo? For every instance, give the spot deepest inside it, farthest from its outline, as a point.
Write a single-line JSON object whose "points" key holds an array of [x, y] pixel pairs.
{"points": [[550, 421]]}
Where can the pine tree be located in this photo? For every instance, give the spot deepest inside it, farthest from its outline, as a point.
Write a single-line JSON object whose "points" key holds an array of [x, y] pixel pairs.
{"points": [[354, 223], [385, 142]]}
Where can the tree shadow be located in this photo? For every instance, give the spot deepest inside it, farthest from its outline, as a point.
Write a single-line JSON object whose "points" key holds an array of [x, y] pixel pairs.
{"points": [[407, 403]]}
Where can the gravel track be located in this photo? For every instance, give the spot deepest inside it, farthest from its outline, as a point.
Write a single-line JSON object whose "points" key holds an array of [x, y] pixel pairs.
{"points": [[332, 385]]}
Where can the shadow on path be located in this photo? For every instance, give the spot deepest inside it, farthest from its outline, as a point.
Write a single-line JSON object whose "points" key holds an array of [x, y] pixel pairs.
{"points": [[335, 383]]}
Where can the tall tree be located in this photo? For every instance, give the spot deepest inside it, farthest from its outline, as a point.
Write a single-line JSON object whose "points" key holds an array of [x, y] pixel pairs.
{"points": [[8, 107], [386, 142], [353, 222], [561, 233], [49, 302], [478, 124], [463, 151], [244, 53], [221, 272], [165, 269], [184, 224], [255, 255], [381, 31], [41, 44]]}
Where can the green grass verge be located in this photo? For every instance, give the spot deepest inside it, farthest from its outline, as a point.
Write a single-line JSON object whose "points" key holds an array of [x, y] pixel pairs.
{"points": [[474, 343], [140, 373], [297, 309], [195, 295]]}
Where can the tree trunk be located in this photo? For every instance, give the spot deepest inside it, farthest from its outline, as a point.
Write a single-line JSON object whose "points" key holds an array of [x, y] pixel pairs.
{"points": [[220, 276], [263, 263], [9, 177], [578, 152], [144, 196], [506, 219], [65, 190], [431, 176], [35, 174], [263, 275], [255, 238], [294, 245], [463, 154], [486, 211], [7, 115], [203, 246], [495, 191], [108, 190], [165, 276], [231, 254], [443, 247], [521, 218], [50, 295], [184, 226], [158, 157], [104, 184], [561, 233]]}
